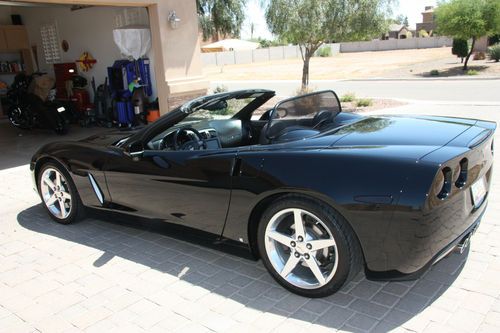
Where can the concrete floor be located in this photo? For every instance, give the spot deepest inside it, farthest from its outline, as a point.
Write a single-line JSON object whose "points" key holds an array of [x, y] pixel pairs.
{"points": [[17, 146], [99, 275]]}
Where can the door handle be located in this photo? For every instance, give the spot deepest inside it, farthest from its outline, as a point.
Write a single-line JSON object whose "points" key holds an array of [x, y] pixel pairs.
{"points": [[236, 167]]}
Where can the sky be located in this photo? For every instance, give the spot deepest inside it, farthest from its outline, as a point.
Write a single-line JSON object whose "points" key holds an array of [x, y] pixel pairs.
{"points": [[255, 14]]}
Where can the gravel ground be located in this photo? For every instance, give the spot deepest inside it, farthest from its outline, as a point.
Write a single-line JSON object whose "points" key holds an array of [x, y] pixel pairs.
{"points": [[387, 64]]}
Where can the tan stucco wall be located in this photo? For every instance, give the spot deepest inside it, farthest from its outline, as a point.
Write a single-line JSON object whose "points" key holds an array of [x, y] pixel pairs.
{"points": [[178, 66]]}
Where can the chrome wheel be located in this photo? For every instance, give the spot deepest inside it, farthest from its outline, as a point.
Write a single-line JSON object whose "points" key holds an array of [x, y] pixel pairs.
{"points": [[301, 248], [55, 193], [19, 118]]}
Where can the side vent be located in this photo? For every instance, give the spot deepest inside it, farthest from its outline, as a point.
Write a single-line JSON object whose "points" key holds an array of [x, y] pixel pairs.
{"points": [[447, 180], [462, 177], [96, 188]]}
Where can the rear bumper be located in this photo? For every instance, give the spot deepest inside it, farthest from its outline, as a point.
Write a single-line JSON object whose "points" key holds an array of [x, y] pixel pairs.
{"points": [[460, 242]]}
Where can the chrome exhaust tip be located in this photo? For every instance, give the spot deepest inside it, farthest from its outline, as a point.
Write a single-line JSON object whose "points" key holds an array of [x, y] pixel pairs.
{"points": [[464, 243]]}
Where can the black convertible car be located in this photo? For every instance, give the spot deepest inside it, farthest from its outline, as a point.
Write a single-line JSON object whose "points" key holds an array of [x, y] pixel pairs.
{"points": [[316, 193]]}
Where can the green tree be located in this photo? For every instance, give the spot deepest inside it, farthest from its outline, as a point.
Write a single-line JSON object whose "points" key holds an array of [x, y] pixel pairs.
{"points": [[405, 22], [460, 48], [309, 23], [468, 20], [220, 17], [401, 19]]}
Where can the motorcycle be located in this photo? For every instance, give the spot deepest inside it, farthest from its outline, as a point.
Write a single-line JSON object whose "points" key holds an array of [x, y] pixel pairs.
{"points": [[28, 110]]}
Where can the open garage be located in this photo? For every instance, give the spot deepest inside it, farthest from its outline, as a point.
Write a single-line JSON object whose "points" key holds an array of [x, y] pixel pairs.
{"points": [[109, 64]]}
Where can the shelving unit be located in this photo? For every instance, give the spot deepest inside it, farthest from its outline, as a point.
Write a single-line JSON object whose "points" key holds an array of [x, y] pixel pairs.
{"points": [[14, 40]]}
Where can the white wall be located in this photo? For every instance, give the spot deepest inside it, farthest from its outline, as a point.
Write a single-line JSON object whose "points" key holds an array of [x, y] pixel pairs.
{"points": [[286, 52], [257, 55], [89, 29], [395, 44]]}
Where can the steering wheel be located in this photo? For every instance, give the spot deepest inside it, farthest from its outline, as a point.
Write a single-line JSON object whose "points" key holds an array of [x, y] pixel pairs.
{"points": [[196, 143]]}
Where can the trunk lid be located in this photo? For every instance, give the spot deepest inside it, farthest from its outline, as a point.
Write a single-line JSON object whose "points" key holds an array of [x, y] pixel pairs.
{"points": [[431, 132]]}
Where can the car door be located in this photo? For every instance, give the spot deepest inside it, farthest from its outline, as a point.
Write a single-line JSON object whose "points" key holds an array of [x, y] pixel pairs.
{"points": [[191, 188]]}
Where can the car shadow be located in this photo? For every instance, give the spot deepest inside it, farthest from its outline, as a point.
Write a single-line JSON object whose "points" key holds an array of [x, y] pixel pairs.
{"points": [[361, 305]]}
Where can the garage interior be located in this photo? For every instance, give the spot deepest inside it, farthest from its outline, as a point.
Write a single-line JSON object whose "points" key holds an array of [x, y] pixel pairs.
{"points": [[76, 46], [105, 61]]}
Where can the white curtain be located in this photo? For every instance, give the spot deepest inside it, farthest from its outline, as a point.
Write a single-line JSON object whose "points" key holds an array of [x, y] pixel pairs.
{"points": [[133, 42]]}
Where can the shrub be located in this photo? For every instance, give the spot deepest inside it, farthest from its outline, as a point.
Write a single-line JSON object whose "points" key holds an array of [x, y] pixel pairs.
{"points": [[220, 89], [479, 56], [265, 43], [460, 48], [325, 51], [495, 39], [363, 102], [472, 72], [409, 34], [423, 33], [434, 72], [494, 52], [349, 97]]}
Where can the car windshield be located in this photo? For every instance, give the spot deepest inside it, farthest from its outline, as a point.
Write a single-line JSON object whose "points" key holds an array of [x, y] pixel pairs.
{"points": [[222, 110]]}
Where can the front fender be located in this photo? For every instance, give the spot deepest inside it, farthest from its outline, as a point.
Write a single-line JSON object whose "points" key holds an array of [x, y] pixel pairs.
{"points": [[79, 159]]}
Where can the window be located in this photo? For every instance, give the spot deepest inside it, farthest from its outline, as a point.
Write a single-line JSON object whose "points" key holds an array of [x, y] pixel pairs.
{"points": [[50, 43]]}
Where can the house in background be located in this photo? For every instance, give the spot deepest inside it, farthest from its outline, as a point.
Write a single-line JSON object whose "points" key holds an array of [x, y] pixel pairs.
{"points": [[229, 45], [397, 31], [428, 23]]}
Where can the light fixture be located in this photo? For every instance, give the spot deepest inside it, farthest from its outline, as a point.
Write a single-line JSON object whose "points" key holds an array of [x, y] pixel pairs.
{"points": [[173, 19]]}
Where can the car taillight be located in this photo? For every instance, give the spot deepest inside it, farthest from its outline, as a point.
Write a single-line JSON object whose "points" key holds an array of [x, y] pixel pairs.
{"points": [[462, 177], [443, 183]]}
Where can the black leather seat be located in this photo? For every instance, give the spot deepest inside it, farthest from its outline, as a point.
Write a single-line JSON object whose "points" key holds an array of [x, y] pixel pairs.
{"points": [[278, 128]]}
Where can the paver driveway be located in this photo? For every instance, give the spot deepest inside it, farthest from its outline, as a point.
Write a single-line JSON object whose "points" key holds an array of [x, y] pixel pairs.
{"points": [[101, 276]]}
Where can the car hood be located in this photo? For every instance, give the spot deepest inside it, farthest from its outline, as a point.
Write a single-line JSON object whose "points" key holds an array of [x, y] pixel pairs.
{"points": [[108, 138]]}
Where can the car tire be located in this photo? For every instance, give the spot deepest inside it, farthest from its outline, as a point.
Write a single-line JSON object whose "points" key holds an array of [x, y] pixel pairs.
{"points": [[56, 188], [304, 266]]}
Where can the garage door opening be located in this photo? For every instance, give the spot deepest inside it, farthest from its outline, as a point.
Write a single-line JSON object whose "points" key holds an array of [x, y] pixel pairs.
{"points": [[98, 60], [66, 40]]}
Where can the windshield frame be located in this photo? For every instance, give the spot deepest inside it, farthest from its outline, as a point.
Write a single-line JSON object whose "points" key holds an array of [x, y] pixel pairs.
{"points": [[178, 114], [276, 107]]}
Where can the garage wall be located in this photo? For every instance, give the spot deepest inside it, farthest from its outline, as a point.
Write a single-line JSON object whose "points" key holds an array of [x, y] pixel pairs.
{"points": [[89, 29], [5, 15]]}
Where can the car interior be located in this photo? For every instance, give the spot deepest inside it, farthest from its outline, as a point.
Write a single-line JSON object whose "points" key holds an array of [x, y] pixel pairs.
{"points": [[242, 119]]}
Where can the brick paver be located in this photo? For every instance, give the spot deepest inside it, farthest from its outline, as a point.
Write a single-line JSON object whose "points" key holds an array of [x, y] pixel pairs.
{"points": [[98, 276]]}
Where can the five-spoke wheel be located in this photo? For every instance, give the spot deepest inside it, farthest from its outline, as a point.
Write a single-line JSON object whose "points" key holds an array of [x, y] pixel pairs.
{"points": [[55, 193], [58, 193], [301, 248], [307, 246]]}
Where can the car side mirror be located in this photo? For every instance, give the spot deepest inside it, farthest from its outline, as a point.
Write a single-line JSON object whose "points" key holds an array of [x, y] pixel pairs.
{"points": [[134, 149]]}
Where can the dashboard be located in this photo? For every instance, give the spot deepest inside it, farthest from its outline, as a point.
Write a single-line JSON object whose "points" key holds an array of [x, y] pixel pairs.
{"points": [[213, 134]]}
